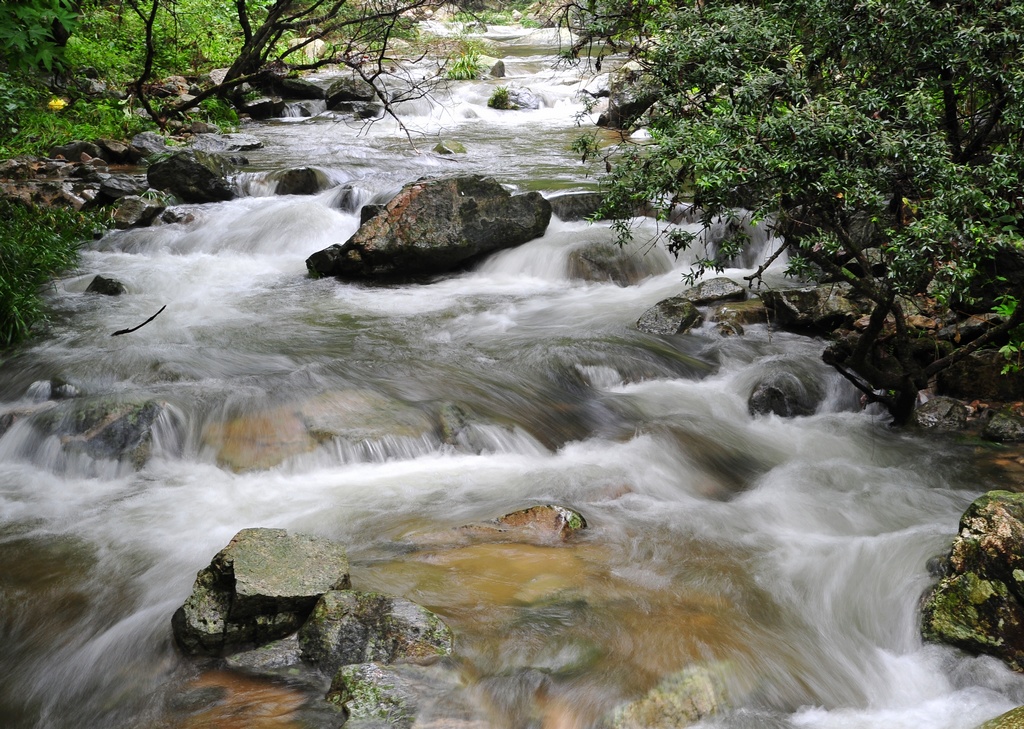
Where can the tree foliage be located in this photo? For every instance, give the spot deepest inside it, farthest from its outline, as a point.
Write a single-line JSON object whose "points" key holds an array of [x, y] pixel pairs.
{"points": [[883, 140], [33, 32]]}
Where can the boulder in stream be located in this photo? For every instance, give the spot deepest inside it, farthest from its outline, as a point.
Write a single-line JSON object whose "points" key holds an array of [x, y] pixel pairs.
{"points": [[1006, 426], [977, 606], [604, 261], [105, 428], [675, 315], [942, 414], [261, 587], [300, 181], [1012, 719], [784, 394], [679, 700], [348, 627], [193, 175], [812, 308], [433, 226], [715, 290]]}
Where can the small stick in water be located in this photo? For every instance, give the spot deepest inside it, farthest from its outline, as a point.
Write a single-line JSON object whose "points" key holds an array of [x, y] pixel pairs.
{"points": [[135, 329]]}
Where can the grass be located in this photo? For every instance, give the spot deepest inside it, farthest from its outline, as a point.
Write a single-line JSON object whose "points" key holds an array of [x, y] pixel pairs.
{"points": [[35, 247]]}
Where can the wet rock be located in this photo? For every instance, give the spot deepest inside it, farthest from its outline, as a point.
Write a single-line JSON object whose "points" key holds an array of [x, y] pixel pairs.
{"points": [[1005, 427], [105, 428], [741, 313], [133, 211], [269, 658], [106, 286], [497, 69], [783, 394], [258, 440], [604, 261], [263, 107], [368, 211], [193, 176], [676, 315], [523, 99], [714, 290], [979, 376], [113, 151], [434, 226], [448, 146], [1012, 719], [298, 88], [115, 187], [261, 587], [978, 607], [812, 308], [372, 692], [226, 142], [348, 627], [631, 92], [358, 415], [73, 151], [146, 144], [349, 89], [968, 329], [574, 206], [300, 181], [941, 413], [680, 699], [545, 523]]}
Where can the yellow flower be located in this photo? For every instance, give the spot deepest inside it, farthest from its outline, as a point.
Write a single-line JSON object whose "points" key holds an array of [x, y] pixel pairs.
{"points": [[56, 104]]}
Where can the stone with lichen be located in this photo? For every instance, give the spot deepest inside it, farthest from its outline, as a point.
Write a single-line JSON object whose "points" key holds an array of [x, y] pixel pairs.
{"points": [[979, 605]]}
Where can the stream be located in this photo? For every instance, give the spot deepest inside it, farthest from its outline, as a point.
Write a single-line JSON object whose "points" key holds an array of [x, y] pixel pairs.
{"points": [[791, 551]]}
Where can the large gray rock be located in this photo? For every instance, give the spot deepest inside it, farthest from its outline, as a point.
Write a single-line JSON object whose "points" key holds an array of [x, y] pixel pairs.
{"points": [[812, 308], [193, 175], [263, 107], [348, 627], [632, 91], [714, 290], [146, 144], [214, 142], [942, 414], [978, 605], [349, 89], [298, 88], [118, 186], [1004, 427], [980, 375], [671, 316], [434, 226], [261, 587], [134, 211], [573, 206]]}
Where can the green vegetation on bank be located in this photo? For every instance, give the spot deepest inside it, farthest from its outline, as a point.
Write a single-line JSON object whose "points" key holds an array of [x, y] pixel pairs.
{"points": [[884, 141], [35, 247]]}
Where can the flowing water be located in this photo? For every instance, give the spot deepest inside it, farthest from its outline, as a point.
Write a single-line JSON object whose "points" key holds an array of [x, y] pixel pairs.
{"points": [[791, 554]]}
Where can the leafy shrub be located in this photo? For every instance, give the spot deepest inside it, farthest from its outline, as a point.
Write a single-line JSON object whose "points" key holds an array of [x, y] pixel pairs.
{"points": [[35, 246], [27, 32], [466, 67], [500, 99]]}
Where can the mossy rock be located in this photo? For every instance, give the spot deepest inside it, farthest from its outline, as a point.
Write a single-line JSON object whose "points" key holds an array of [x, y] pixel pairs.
{"points": [[1012, 719]]}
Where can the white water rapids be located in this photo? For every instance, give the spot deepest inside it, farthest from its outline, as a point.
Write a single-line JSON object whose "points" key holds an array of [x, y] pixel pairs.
{"points": [[792, 551]]}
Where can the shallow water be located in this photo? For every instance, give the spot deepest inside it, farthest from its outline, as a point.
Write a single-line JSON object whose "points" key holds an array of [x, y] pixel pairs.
{"points": [[790, 551]]}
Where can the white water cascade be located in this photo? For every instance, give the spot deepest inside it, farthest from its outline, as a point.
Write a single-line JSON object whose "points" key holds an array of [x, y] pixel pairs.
{"points": [[791, 551]]}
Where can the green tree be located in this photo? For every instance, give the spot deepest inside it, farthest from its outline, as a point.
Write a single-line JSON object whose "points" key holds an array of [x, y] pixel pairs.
{"points": [[33, 32], [882, 139]]}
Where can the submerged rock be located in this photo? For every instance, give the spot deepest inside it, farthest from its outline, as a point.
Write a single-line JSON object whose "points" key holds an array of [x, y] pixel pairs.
{"points": [[604, 261], [679, 700], [433, 226], [348, 627], [978, 606], [261, 587], [783, 394], [300, 181]]}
